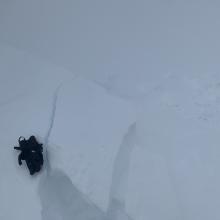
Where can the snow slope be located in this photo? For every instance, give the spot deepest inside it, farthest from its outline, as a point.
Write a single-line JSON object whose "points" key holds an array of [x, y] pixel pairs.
{"points": [[25, 110], [86, 128], [125, 97], [111, 155]]}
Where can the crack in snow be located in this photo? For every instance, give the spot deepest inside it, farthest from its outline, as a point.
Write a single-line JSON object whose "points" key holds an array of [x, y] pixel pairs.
{"points": [[53, 114], [60, 198], [51, 124]]}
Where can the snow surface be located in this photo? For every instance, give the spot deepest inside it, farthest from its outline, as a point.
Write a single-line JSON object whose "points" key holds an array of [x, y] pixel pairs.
{"points": [[82, 127], [126, 99]]}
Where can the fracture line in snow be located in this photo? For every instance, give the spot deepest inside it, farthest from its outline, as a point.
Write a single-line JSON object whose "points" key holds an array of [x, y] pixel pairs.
{"points": [[51, 123], [120, 175], [54, 107], [52, 118]]}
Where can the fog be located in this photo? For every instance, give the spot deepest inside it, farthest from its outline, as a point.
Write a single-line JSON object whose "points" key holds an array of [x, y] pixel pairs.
{"points": [[110, 37]]}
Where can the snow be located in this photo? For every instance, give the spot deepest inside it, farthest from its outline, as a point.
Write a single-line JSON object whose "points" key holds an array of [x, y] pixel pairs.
{"points": [[94, 124], [25, 110], [83, 124], [179, 123], [60, 199], [125, 98]]}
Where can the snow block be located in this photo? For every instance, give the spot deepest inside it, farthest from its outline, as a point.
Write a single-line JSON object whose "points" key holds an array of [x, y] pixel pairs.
{"points": [[88, 129]]}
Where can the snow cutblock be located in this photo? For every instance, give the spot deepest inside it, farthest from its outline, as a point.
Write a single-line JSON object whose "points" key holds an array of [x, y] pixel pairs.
{"points": [[88, 129]]}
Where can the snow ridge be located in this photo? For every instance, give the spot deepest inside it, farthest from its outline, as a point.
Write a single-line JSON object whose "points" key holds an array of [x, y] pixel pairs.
{"points": [[54, 106]]}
